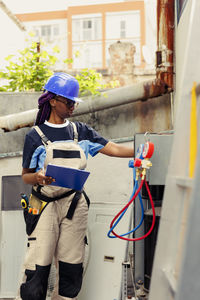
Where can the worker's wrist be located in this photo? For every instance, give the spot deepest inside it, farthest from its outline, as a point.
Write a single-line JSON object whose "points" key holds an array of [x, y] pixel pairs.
{"points": [[36, 178]]}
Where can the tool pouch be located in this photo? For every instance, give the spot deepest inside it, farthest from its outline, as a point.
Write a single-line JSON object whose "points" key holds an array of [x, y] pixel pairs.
{"points": [[31, 220]]}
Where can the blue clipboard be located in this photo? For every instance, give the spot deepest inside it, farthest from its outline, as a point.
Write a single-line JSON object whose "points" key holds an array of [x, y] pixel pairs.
{"points": [[67, 177]]}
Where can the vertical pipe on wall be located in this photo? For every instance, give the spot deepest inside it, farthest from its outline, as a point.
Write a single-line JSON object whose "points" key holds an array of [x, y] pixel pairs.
{"points": [[165, 41]]}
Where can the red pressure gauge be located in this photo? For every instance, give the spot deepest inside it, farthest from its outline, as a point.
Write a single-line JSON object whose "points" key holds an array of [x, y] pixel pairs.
{"points": [[148, 150]]}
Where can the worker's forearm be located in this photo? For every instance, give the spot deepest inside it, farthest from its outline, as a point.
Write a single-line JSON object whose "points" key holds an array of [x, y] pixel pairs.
{"points": [[117, 150], [30, 178], [124, 152]]}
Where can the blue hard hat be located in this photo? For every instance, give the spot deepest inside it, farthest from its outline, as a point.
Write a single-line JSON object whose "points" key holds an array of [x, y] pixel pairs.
{"points": [[64, 85]]}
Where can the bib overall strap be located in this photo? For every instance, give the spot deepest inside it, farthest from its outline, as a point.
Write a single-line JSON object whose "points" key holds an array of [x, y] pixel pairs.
{"points": [[74, 203], [44, 139], [86, 198], [75, 132]]}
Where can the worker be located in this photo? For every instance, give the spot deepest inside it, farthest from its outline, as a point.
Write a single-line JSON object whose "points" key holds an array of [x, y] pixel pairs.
{"points": [[57, 229]]}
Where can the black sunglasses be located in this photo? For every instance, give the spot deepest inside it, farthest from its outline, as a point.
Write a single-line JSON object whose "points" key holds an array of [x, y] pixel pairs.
{"points": [[68, 102]]}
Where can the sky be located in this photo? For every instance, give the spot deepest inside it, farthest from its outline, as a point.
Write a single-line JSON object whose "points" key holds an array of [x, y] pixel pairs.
{"points": [[22, 6], [26, 6]]}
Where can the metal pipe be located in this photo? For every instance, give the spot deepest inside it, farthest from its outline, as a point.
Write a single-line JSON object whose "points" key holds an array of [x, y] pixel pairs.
{"points": [[11, 154], [12, 16], [18, 120], [141, 91], [165, 41]]}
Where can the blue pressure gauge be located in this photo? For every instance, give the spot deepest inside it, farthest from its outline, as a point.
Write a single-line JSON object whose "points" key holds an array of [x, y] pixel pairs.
{"points": [[140, 151]]}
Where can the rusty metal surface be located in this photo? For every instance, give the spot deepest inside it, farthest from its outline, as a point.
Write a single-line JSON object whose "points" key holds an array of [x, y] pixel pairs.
{"points": [[165, 41], [155, 88]]}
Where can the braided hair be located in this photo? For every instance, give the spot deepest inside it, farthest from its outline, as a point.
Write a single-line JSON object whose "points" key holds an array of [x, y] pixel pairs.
{"points": [[44, 107]]}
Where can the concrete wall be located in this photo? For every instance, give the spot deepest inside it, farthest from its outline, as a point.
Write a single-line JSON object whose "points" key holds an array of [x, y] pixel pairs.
{"points": [[11, 103], [122, 121]]}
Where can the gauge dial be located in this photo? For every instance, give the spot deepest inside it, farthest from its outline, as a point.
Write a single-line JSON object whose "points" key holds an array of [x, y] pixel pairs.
{"points": [[140, 151], [148, 150]]}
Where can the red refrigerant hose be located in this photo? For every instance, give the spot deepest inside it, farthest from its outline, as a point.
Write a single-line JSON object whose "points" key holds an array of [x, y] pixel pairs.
{"points": [[132, 199]]}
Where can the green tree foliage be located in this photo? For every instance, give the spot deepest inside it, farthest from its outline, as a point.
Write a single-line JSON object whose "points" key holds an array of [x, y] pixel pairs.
{"points": [[91, 82], [30, 69]]}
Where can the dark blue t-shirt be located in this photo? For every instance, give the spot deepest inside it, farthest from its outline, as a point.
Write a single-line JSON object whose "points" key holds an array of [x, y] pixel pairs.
{"points": [[34, 152]]}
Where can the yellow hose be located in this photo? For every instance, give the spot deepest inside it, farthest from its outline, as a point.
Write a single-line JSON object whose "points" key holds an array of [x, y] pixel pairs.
{"points": [[193, 132]]}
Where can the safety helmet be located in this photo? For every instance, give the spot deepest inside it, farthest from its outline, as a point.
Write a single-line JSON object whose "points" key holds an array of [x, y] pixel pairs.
{"points": [[64, 85]]}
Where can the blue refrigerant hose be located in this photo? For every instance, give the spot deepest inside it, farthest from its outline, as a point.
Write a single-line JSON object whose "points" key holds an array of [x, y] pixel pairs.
{"points": [[122, 214]]}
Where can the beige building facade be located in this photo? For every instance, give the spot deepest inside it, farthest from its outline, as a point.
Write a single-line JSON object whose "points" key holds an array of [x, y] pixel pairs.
{"points": [[85, 33]]}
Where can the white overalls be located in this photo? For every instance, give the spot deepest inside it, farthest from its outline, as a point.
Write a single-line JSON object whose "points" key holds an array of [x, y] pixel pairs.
{"points": [[59, 232]]}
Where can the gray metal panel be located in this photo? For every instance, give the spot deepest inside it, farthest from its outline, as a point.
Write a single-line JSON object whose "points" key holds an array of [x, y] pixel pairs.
{"points": [[139, 245], [12, 250], [156, 176], [12, 187], [188, 287]]}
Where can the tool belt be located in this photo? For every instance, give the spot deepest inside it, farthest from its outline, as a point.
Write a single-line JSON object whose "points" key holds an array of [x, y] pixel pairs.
{"points": [[73, 204], [31, 220]]}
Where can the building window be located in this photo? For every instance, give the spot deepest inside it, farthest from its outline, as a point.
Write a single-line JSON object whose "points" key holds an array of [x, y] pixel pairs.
{"points": [[56, 30], [87, 40], [90, 55], [47, 32], [122, 29], [87, 30]]}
